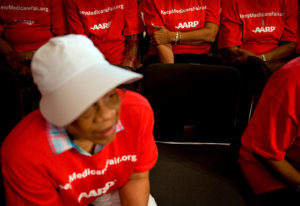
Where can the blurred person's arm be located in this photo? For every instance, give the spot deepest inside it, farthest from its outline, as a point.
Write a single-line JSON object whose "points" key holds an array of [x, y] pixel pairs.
{"points": [[285, 170], [287, 46], [136, 191], [165, 53], [206, 35], [132, 54], [163, 39], [13, 58], [276, 58], [281, 52], [133, 29]]}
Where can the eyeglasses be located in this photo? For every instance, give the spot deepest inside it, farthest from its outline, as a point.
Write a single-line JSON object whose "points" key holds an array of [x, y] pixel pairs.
{"points": [[111, 100]]}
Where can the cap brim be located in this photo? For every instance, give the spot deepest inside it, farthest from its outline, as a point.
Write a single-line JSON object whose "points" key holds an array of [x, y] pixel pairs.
{"points": [[70, 100]]}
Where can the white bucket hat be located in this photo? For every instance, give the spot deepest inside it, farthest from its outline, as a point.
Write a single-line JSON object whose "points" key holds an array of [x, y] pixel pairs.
{"points": [[71, 75]]}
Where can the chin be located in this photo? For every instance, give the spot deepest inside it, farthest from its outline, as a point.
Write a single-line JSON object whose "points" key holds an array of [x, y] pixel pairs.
{"points": [[104, 140]]}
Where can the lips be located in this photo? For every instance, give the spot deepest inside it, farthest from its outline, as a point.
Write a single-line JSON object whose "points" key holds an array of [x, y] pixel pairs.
{"points": [[107, 132]]}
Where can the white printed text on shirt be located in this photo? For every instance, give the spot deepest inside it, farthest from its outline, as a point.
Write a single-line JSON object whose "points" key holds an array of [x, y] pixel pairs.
{"points": [[101, 26], [266, 29], [190, 24]]}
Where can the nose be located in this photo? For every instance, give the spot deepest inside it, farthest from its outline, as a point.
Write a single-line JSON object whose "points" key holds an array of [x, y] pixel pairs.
{"points": [[104, 112]]}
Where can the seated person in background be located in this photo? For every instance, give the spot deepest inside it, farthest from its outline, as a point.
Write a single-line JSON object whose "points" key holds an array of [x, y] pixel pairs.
{"points": [[270, 151], [260, 28], [113, 26], [181, 31], [24, 27], [89, 143]]}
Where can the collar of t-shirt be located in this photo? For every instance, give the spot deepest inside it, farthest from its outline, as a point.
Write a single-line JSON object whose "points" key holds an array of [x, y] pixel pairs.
{"points": [[59, 140]]}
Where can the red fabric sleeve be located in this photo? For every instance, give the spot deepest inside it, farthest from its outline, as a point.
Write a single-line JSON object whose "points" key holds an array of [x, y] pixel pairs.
{"points": [[133, 21], [148, 153], [26, 181], [151, 16], [212, 13], [273, 127], [291, 21], [230, 32], [73, 20], [57, 18], [272, 132]]}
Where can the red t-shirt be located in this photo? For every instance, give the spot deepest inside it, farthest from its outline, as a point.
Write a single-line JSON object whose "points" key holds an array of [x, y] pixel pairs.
{"points": [[274, 129], [34, 175], [27, 25], [298, 45], [181, 15], [106, 23], [257, 28]]}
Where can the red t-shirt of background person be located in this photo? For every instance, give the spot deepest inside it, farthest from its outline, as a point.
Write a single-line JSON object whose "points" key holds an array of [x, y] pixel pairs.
{"points": [[257, 28], [27, 25], [273, 131], [181, 16], [298, 45], [106, 23], [38, 175]]}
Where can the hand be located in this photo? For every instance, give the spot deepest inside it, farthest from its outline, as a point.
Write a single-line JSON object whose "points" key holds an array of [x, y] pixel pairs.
{"points": [[243, 54], [15, 60], [131, 62], [28, 55], [229, 54], [161, 36], [25, 70], [275, 65]]}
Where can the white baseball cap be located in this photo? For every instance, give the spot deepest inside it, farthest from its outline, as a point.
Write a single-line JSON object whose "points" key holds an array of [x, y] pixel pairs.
{"points": [[71, 74]]}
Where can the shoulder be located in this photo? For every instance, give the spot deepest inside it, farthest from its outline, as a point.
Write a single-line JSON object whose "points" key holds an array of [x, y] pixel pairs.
{"points": [[135, 108], [26, 140], [284, 85], [134, 99]]}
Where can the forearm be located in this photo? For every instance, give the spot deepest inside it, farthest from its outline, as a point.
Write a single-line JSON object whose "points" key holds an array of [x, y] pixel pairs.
{"points": [[136, 191], [285, 170], [281, 52], [5, 47], [14, 59], [131, 58], [206, 35], [165, 53], [28, 55]]}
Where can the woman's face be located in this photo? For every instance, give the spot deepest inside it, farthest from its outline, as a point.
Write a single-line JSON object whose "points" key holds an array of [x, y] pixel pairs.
{"points": [[98, 123]]}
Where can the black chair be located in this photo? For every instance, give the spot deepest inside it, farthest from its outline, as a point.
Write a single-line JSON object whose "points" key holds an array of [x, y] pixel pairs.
{"points": [[192, 102]]}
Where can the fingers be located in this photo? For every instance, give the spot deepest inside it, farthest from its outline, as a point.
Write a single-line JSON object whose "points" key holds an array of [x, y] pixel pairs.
{"points": [[152, 41], [156, 26]]}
